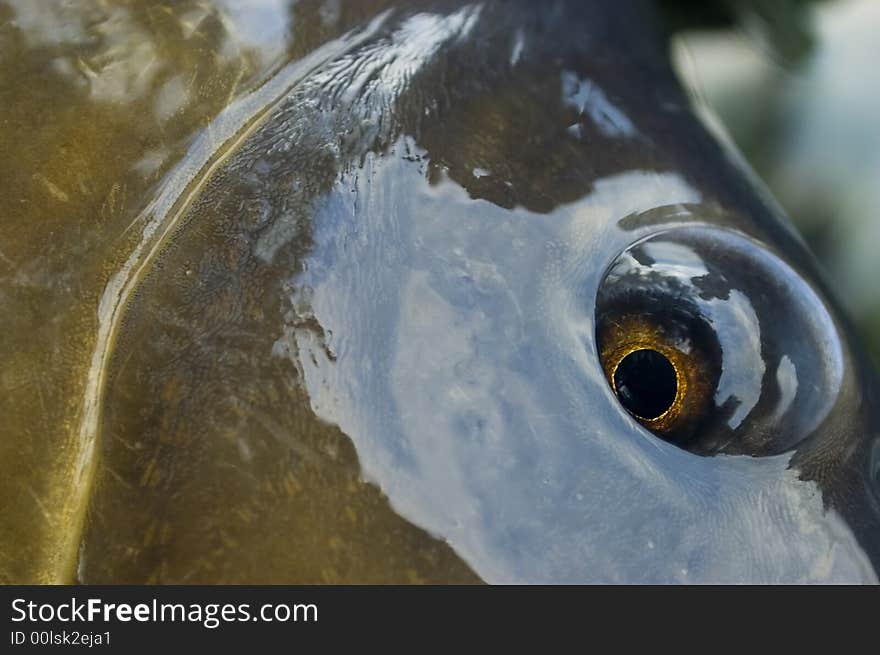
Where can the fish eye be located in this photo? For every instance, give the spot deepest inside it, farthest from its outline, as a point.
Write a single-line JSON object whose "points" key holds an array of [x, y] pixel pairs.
{"points": [[659, 369], [690, 342], [647, 383]]}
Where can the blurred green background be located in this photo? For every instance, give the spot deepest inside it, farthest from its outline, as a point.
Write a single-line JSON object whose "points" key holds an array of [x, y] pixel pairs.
{"points": [[808, 121]]}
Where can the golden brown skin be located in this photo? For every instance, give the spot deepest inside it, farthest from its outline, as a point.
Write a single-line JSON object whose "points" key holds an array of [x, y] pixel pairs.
{"points": [[98, 101], [77, 120]]}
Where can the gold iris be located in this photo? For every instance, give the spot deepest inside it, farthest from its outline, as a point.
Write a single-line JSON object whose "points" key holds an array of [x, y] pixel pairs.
{"points": [[663, 379]]}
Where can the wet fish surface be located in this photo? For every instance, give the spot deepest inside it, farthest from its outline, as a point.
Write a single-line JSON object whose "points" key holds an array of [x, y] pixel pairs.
{"points": [[341, 292]]}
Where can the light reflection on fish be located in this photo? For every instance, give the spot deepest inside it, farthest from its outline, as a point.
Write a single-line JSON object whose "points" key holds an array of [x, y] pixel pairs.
{"points": [[373, 326]]}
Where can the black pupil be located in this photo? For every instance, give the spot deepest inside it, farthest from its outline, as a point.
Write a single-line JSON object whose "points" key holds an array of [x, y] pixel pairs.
{"points": [[646, 384]]}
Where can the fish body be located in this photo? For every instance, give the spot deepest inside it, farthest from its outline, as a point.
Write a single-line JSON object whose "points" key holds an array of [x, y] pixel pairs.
{"points": [[337, 317]]}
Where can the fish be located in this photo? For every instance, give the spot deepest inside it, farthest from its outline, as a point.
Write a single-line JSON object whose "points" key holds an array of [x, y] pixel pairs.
{"points": [[457, 292]]}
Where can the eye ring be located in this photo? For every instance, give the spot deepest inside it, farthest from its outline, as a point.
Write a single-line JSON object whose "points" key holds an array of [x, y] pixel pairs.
{"points": [[694, 377], [655, 421]]}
